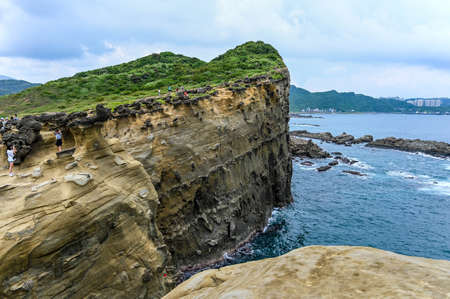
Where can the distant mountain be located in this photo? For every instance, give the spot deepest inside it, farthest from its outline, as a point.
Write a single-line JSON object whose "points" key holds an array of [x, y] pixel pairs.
{"points": [[5, 78], [302, 99], [9, 86]]}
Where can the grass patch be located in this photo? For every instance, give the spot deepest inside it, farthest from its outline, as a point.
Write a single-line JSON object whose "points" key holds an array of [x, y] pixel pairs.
{"points": [[126, 82]]}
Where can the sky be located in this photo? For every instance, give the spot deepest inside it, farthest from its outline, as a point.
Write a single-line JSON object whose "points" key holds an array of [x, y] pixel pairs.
{"points": [[375, 47]]}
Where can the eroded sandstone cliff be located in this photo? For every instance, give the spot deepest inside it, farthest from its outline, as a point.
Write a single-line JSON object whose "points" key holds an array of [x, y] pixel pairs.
{"points": [[147, 190], [324, 272]]}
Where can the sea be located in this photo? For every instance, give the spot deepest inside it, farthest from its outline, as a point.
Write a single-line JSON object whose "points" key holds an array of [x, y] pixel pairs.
{"points": [[401, 205]]}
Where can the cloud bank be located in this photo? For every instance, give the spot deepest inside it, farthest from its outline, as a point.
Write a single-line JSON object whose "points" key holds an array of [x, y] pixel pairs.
{"points": [[380, 48]]}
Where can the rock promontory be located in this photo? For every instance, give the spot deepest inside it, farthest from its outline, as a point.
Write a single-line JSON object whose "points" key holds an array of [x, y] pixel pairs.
{"points": [[324, 272], [433, 148], [143, 190]]}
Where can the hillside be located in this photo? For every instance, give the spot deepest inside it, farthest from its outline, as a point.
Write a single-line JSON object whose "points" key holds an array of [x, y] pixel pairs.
{"points": [[143, 77], [302, 99], [9, 86]]}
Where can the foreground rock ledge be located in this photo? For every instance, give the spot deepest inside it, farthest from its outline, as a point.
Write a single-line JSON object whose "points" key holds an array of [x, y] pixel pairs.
{"points": [[324, 272]]}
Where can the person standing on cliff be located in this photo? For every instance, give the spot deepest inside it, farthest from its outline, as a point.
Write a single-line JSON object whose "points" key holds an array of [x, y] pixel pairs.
{"points": [[11, 153], [58, 136]]}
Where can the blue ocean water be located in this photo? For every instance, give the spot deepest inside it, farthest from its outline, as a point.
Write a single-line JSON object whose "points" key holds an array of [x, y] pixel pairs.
{"points": [[402, 205]]}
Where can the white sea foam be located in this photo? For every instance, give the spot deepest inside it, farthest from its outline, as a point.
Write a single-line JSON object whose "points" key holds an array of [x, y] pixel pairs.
{"points": [[436, 186], [429, 156], [362, 165], [271, 219], [401, 174], [447, 166]]}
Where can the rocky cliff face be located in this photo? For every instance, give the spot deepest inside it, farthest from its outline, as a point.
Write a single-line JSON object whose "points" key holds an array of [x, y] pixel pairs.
{"points": [[147, 190], [324, 272]]}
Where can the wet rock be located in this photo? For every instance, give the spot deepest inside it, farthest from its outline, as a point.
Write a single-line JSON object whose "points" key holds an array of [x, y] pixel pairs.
{"points": [[433, 148], [354, 172], [306, 148], [324, 168], [307, 163], [333, 163]]}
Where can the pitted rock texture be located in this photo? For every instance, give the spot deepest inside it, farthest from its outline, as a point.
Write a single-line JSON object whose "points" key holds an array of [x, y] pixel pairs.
{"points": [[324, 272], [135, 197]]}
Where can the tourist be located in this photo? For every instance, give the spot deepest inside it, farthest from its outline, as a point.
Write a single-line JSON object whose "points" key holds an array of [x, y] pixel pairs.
{"points": [[185, 94], [58, 136], [159, 92], [16, 117], [169, 89], [11, 152]]}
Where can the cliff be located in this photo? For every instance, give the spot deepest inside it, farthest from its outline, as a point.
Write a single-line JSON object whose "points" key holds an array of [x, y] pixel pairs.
{"points": [[324, 272], [151, 188]]}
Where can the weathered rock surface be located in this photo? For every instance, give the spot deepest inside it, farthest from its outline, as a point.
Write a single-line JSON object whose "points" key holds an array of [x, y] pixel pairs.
{"points": [[434, 148], [156, 188], [306, 149], [324, 272]]}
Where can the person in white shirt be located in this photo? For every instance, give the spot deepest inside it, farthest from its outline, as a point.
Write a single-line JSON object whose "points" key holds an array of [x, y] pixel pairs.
{"points": [[11, 152]]}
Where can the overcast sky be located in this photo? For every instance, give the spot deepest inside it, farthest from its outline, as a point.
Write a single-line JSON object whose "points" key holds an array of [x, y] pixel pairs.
{"points": [[379, 47]]}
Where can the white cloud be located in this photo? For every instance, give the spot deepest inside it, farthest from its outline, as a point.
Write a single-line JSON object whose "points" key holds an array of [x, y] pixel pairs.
{"points": [[345, 45]]}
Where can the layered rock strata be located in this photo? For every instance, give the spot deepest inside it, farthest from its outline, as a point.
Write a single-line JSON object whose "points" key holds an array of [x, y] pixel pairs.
{"points": [[142, 191], [324, 272]]}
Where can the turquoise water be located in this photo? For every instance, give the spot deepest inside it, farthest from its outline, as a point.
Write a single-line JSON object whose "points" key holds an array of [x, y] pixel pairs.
{"points": [[402, 205]]}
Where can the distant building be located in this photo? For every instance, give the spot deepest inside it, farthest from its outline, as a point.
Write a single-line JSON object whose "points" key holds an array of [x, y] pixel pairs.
{"points": [[425, 103]]}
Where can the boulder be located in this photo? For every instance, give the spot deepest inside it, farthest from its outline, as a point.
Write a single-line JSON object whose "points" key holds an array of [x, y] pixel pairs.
{"points": [[323, 168], [81, 179], [306, 148]]}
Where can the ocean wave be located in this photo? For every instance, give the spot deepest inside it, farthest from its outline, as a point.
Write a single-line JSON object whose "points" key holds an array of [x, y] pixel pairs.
{"points": [[436, 186], [402, 174], [447, 166], [428, 156], [361, 164]]}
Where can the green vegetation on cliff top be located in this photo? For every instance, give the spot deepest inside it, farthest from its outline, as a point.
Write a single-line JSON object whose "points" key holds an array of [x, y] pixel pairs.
{"points": [[143, 77]]}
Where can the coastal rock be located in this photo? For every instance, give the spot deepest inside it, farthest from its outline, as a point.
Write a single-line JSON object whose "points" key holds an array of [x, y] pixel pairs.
{"points": [[354, 172], [344, 138], [306, 148], [433, 148], [155, 210], [324, 272], [324, 168], [307, 163], [333, 163], [364, 139]]}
